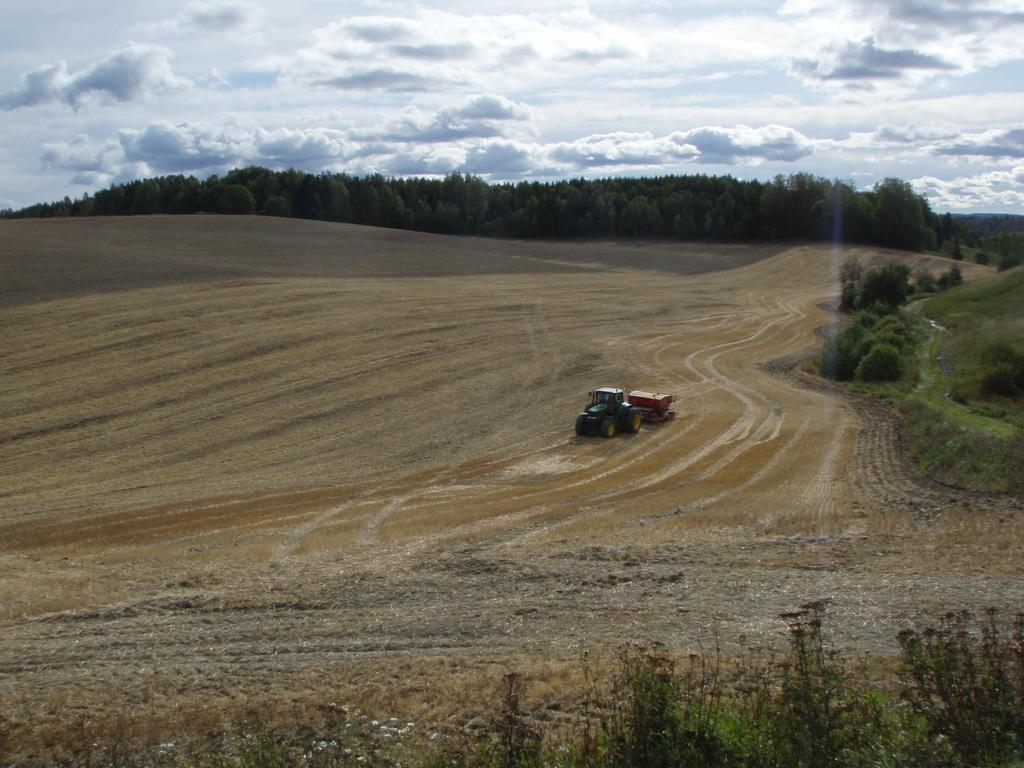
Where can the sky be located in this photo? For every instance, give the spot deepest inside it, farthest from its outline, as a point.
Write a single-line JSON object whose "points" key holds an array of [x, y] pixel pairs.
{"points": [[931, 91]]}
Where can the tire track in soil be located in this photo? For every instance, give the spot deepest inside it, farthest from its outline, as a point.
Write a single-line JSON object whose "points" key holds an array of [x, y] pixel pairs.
{"points": [[742, 431]]}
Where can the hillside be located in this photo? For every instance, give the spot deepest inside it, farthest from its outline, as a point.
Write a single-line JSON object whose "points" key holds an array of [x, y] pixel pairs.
{"points": [[58, 258], [267, 465], [997, 303]]}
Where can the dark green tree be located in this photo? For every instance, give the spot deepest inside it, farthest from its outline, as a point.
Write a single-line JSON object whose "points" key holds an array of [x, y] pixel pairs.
{"points": [[889, 286], [236, 199], [899, 215]]}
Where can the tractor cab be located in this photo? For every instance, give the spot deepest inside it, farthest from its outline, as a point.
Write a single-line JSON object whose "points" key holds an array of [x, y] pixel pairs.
{"points": [[607, 396]]}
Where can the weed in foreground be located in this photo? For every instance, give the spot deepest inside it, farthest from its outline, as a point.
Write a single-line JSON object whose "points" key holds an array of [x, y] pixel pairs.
{"points": [[958, 700], [969, 689]]}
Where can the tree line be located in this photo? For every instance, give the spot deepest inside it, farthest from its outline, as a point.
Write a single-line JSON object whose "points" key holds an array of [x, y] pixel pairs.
{"points": [[721, 208]]}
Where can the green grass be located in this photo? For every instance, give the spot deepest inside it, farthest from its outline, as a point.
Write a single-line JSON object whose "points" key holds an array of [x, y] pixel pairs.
{"points": [[959, 432], [998, 299], [933, 389], [974, 441], [947, 450]]}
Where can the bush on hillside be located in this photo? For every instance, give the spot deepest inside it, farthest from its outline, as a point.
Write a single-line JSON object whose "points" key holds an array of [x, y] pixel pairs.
{"points": [[925, 282], [889, 336], [850, 275], [845, 351], [881, 363], [1002, 369], [888, 286], [952, 278], [1008, 261], [900, 324], [842, 352]]}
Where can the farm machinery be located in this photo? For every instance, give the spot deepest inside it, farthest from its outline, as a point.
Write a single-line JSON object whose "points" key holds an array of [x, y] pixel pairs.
{"points": [[610, 410]]}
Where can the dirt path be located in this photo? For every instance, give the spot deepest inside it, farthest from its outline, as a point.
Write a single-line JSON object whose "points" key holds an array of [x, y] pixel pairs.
{"points": [[251, 488]]}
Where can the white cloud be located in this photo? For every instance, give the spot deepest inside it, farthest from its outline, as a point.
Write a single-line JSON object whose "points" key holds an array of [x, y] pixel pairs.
{"points": [[993, 143], [995, 190], [487, 135], [729, 146], [865, 61], [81, 154], [127, 74], [622, 149], [186, 147], [433, 50], [888, 47], [218, 16], [482, 116]]}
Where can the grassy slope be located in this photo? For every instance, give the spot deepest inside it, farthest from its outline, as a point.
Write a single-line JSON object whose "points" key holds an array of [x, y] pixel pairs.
{"points": [[977, 445]]}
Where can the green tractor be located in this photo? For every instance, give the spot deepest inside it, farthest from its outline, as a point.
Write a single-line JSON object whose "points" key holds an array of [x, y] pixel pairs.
{"points": [[608, 413]]}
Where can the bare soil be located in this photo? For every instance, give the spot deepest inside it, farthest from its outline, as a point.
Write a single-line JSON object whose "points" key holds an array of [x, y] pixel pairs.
{"points": [[260, 462]]}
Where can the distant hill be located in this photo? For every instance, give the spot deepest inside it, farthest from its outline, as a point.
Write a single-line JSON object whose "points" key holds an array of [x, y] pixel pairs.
{"points": [[983, 223]]}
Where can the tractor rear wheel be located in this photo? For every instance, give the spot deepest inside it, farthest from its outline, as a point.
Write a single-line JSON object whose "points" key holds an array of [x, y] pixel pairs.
{"points": [[607, 427], [629, 420], [581, 424]]}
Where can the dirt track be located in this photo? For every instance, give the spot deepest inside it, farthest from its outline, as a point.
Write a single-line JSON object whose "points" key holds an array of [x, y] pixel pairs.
{"points": [[282, 474]]}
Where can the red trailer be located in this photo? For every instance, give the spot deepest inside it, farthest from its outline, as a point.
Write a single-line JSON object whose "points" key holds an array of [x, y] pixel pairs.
{"points": [[654, 406]]}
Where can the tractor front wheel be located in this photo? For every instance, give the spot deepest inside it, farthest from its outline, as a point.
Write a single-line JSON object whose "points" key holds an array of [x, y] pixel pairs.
{"points": [[607, 427], [581, 424]]}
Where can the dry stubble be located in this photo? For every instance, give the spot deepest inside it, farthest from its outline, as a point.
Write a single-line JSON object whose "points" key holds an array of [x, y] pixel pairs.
{"points": [[250, 458]]}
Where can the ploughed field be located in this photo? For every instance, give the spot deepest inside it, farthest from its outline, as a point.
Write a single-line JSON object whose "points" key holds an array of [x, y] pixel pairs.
{"points": [[252, 459]]}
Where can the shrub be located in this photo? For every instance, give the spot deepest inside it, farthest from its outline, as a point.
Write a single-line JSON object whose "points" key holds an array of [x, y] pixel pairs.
{"points": [[850, 274], [899, 322], [952, 278], [999, 379], [847, 297], [1002, 369], [868, 318], [887, 286], [812, 692], [1008, 261], [925, 282], [890, 336], [970, 690], [881, 363], [843, 352]]}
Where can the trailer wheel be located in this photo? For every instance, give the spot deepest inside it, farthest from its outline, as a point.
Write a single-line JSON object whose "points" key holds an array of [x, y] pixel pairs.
{"points": [[607, 427], [581, 424]]}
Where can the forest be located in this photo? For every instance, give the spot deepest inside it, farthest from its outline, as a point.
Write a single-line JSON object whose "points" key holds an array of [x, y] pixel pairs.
{"points": [[692, 207]]}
